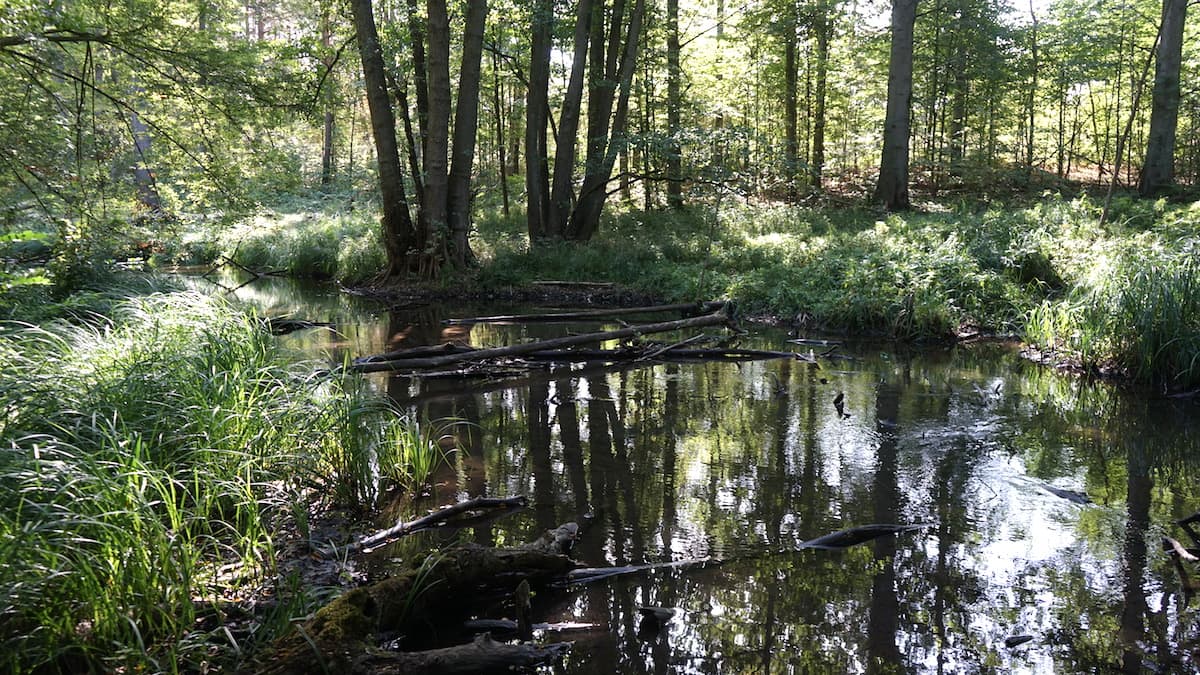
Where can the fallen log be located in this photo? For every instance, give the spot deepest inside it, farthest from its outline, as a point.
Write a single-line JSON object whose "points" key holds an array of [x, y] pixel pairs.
{"points": [[482, 655], [417, 352], [373, 365], [435, 519], [697, 308]]}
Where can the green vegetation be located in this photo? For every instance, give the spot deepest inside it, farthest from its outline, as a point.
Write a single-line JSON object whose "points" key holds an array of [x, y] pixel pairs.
{"points": [[151, 465], [1123, 297]]}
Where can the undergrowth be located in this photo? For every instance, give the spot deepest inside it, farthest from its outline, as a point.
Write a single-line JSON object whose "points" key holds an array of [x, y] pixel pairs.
{"points": [[150, 461]]}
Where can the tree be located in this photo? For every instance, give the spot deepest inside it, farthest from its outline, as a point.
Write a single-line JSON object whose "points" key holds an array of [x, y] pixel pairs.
{"points": [[1158, 171], [608, 50], [398, 231], [892, 188]]}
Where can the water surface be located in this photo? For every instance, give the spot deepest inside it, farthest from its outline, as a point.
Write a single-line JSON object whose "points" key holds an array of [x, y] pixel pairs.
{"points": [[1045, 499]]}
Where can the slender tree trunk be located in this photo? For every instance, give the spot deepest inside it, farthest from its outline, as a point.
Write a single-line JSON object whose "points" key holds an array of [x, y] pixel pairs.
{"points": [[1030, 107], [397, 223], [892, 189], [466, 120], [824, 33], [327, 136], [791, 150], [674, 103], [1158, 171], [537, 187], [501, 116]]}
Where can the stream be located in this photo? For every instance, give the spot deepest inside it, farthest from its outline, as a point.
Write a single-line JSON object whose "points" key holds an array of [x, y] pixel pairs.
{"points": [[1046, 499]]}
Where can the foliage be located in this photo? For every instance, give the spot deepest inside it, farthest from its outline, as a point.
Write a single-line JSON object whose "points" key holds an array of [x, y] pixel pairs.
{"points": [[150, 462]]}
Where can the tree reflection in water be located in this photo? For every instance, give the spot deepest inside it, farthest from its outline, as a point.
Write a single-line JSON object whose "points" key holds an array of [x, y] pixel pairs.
{"points": [[744, 462]]}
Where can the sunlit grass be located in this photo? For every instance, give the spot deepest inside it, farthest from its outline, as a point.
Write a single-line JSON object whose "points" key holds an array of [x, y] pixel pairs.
{"points": [[148, 463]]}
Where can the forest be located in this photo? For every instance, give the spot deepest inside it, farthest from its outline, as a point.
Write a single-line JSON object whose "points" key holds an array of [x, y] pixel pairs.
{"points": [[183, 492]]}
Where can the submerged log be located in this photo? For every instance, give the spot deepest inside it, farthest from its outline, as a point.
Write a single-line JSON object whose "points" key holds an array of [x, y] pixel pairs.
{"points": [[482, 655], [660, 354], [375, 364], [694, 307], [340, 634], [435, 519], [858, 535]]}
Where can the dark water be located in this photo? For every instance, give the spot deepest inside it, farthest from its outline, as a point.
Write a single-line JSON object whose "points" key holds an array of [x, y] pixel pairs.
{"points": [[742, 463]]}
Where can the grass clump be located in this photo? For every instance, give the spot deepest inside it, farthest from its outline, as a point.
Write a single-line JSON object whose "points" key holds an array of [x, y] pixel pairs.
{"points": [[308, 244], [149, 463]]}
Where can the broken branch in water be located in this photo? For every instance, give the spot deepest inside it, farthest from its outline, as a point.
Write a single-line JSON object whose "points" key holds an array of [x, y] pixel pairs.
{"points": [[482, 655], [436, 519]]}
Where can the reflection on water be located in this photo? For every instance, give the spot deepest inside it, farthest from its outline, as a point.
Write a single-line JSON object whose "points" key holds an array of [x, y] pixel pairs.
{"points": [[742, 463]]}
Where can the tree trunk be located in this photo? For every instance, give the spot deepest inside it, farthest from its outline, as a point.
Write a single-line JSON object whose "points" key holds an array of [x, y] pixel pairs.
{"points": [[536, 107], [466, 119], [327, 136], [892, 189], [602, 155], [497, 103], [1158, 172], [674, 103], [791, 149], [1030, 108], [397, 223], [824, 33], [437, 180], [561, 190]]}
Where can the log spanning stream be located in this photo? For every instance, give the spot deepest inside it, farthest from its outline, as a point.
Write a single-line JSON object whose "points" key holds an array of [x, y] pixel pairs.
{"points": [[1044, 500]]}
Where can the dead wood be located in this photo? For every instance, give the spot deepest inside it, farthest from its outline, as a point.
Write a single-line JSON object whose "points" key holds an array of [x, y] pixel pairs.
{"points": [[546, 317], [375, 364], [436, 519], [501, 626], [482, 655]]}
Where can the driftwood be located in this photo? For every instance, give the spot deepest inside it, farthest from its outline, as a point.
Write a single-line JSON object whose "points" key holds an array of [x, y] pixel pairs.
{"points": [[483, 655], [547, 317], [378, 364], [438, 518]]}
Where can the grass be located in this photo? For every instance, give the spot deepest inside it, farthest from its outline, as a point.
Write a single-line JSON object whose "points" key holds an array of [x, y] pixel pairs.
{"points": [[150, 462]]}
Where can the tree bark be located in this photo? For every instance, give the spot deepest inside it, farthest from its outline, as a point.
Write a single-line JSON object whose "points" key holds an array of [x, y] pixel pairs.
{"points": [[1158, 171], [397, 223], [892, 189]]}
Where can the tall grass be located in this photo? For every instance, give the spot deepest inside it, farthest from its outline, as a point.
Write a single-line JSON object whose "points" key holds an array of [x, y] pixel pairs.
{"points": [[148, 464]]}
